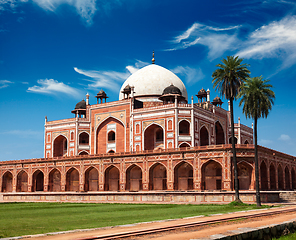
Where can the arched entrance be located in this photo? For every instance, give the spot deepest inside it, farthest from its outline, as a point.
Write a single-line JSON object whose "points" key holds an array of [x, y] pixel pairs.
{"points": [[219, 134], [83, 138], [263, 176], [91, 179], [280, 178], [183, 176], [293, 179], [54, 181], [110, 135], [134, 178], [272, 177], [204, 136], [60, 146], [72, 180], [7, 182], [184, 128], [244, 175], [184, 145], [112, 179], [38, 179], [153, 137], [22, 182], [211, 176], [287, 178], [157, 177]]}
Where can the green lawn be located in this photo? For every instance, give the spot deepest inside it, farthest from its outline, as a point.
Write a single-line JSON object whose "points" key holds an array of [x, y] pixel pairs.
{"points": [[17, 219], [291, 236]]}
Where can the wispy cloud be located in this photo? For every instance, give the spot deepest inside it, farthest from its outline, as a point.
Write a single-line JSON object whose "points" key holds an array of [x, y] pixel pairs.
{"points": [[4, 83], [191, 75], [217, 39], [284, 137], [139, 64], [104, 79], [276, 39], [85, 8], [51, 86]]}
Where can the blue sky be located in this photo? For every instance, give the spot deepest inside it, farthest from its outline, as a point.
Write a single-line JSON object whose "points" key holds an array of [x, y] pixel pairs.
{"points": [[53, 52]]}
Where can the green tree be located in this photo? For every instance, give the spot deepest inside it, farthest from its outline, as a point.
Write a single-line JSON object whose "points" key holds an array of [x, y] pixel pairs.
{"points": [[227, 79], [257, 99]]}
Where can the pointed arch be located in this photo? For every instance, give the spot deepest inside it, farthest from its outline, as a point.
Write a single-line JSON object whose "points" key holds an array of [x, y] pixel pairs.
{"points": [[244, 170], [183, 176], [112, 178], [184, 127], [153, 137], [83, 153], [91, 182], [134, 178], [22, 181], [287, 178], [7, 185], [72, 180], [157, 177], [38, 181], [60, 146], [219, 132], [54, 181], [204, 136], [110, 124], [246, 142], [184, 145], [84, 138], [272, 177], [211, 175]]}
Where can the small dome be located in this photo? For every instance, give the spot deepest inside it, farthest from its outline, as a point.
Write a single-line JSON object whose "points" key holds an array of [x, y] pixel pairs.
{"points": [[172, 90], [202, 92], [217, 99], [81, 105]]}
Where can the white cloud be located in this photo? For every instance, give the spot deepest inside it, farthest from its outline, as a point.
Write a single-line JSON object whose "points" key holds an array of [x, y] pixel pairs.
{"points": [[4, 83], [191, 75], [51, 86], [276, 39], [218, 40], [10, 4], [85, 8], [284, 137], [139, 64], [104, 79]]}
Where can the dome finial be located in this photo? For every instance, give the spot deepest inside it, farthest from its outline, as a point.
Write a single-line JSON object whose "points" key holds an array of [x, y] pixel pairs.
{"points": [[153, 60]]}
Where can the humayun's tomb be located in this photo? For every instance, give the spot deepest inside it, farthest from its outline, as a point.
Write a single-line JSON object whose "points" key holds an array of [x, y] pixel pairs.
{"points": [[152, 145]]}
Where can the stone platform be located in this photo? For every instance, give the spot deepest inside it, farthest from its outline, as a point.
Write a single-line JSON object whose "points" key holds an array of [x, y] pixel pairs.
{"points": [[173, 197]]}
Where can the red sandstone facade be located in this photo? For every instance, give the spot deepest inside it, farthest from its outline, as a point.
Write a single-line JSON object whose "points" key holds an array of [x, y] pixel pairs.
{"points": [[147, 143]]}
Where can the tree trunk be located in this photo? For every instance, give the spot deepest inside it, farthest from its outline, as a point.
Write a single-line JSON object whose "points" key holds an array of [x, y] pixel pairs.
{"points": [[258, 200], [236, 187]]}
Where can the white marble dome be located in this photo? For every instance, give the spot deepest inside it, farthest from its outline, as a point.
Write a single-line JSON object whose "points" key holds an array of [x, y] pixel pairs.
{"points": [[150, 81]]}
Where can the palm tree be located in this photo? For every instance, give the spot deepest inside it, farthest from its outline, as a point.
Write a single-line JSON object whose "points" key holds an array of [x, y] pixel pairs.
{"points": [[257, 98], [227, 79]]}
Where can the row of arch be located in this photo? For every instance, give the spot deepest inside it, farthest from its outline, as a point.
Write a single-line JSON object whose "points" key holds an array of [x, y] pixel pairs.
{"points": [[271, 178], [153, 138]]}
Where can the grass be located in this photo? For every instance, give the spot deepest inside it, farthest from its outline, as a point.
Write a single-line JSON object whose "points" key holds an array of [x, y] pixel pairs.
{"points": [[291, 236], [17, 219]]}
